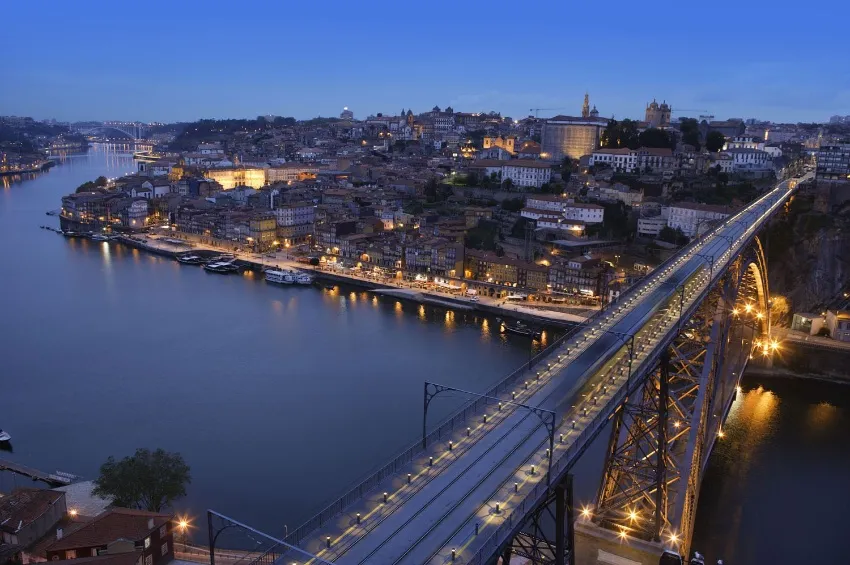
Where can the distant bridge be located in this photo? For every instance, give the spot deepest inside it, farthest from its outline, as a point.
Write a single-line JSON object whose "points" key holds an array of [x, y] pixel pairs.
{"points": [[133, 130], [659, 368]]}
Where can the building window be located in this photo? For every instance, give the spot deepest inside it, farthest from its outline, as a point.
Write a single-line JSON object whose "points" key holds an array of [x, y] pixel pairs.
{"points": [[149, 560], [71, 554], [163, 530], [164, 548], [147, 542], [94, 552]]}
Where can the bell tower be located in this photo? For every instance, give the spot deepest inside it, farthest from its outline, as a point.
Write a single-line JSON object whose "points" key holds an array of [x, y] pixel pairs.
{"points": [[585, 108]]}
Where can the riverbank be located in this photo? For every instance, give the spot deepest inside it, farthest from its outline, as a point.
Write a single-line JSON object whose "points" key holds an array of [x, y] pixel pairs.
{"points": [[37, 169], [783, 373], [168, 247]]}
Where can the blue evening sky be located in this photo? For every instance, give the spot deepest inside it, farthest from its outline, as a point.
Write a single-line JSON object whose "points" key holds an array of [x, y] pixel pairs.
{"points": [[186, 59]]}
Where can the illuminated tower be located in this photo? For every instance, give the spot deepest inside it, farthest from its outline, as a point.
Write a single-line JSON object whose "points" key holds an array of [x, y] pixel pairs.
{"points": [[585, 108]]}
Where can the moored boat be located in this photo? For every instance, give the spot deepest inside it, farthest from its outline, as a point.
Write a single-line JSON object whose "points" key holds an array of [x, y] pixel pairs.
{"points": [[221, 267], [5, 436], [303, 278], [190, 259], [519, 328], [280, 277]]}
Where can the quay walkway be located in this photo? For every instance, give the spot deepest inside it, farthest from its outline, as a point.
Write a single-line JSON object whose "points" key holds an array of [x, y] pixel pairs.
{"points": [[52, 479]]}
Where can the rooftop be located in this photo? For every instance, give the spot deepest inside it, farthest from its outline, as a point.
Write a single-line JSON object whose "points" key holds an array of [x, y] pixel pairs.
{"points": [[118, 523], [24, 506]]}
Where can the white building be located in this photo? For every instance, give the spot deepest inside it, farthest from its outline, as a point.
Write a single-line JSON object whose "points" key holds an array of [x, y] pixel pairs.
{"points": [[617, 192], [743, 142], [527, 172], [560, 223], [210, 149], [724, 161], [137, 214], [294, 214], [651, 227], [744, 159], [548, 202], [621, 160], [587, 213], [693, 218]]}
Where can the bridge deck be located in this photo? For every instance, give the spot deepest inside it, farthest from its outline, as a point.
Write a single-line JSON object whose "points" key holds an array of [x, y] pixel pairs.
{"points": [[424, 520]]}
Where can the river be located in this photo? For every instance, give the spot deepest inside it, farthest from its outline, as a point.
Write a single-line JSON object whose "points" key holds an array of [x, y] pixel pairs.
{"points": [[280, 398]]}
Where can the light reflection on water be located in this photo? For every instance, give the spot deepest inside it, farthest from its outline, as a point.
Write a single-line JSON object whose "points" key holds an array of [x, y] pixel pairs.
{"points": [[783, 460]]}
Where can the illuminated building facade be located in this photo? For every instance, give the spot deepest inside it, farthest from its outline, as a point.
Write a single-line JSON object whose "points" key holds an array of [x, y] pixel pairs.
{"points": [[571, 136], [231, 177]]}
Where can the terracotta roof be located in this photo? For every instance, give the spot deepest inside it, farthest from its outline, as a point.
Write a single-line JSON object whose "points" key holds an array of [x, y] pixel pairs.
{"points": [[657, 151], [548, 198], [118, 523], [717, 208], [527, 163], [129, 558], [24, 506]]}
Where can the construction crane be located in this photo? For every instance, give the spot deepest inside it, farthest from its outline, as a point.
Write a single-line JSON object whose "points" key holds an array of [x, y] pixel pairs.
{"points": [[537, 110], [677, 110]]}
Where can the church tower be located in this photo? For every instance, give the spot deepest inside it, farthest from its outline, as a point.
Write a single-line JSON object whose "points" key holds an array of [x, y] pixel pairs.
{"points": [[585, 108]]}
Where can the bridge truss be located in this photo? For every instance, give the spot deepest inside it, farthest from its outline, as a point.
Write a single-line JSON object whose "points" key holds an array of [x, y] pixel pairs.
{"points": [[662, 435]]}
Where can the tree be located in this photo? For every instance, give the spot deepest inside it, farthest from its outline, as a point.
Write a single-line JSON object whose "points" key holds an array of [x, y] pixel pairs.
{"points": [[654, 137], [513, 204], [146, 480], [567, 169], [674, 236], [507, 184], [714, 141], [431, 191], [620, 134], [690, 132]]}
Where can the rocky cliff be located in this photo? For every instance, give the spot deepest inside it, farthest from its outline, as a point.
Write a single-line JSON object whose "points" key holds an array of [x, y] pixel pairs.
{"points": [[808, 249]]}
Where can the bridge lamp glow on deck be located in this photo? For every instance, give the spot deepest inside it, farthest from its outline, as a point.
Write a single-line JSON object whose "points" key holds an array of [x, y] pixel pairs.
{"points": [[623, 535], [674, 538], [748, 308], [633, 516], [586, 513], [721, 434], [72, 512]]}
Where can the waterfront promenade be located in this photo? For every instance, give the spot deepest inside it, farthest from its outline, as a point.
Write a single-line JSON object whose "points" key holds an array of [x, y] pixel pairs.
{"points": [[165, 245]]}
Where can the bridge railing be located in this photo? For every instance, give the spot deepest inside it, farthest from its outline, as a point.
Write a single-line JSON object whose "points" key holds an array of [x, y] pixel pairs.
{"points": [[453, 422]]}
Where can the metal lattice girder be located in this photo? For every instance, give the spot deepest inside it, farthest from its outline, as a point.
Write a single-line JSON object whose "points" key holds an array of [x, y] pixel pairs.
{"points": [[662, 435], [649, 435], [547, 534]]}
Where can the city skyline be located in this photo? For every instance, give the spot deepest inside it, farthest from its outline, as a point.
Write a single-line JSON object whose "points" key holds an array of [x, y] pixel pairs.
{"points": [[196, 61]]}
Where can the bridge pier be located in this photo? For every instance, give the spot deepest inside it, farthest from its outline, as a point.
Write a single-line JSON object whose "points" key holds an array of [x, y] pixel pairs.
{"points": [[595, 544]]}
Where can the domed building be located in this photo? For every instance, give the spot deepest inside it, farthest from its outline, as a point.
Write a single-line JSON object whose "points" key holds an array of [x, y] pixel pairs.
{"points": [[658, 115]]}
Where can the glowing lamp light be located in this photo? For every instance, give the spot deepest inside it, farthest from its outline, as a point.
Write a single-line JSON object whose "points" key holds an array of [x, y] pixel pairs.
{"points": [[585, 512]]}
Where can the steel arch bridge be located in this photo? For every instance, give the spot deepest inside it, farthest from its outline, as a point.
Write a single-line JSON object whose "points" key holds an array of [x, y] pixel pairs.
{"points": [[659, 369], [135, 131]]}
